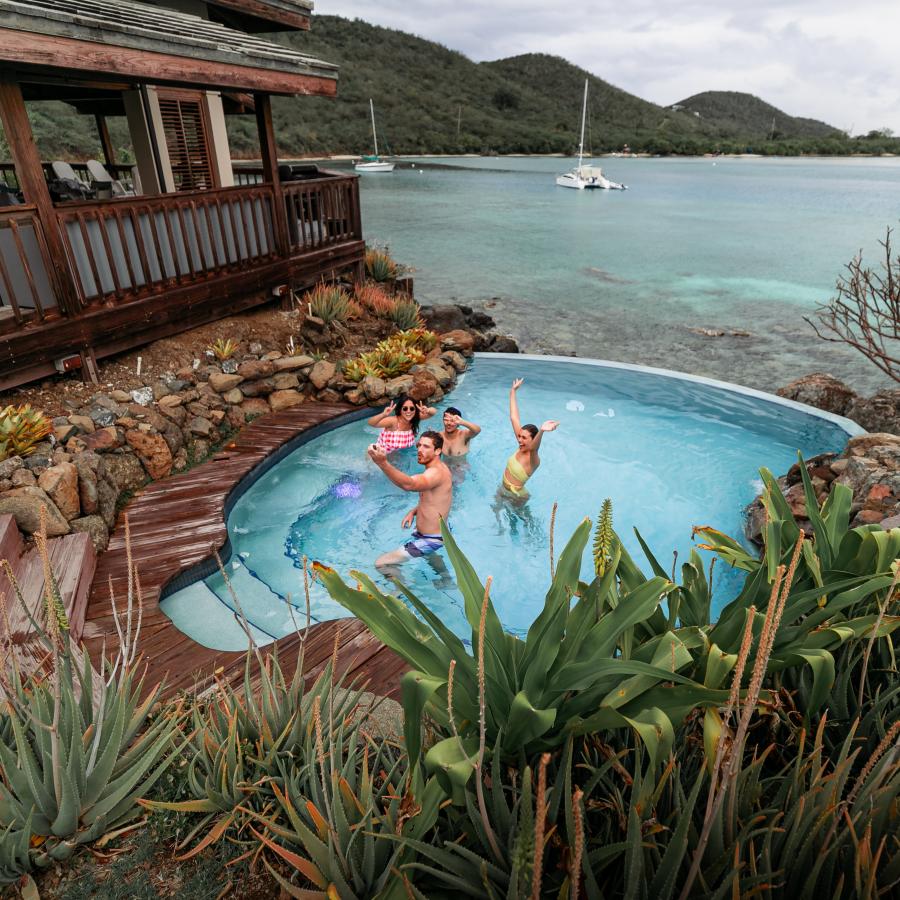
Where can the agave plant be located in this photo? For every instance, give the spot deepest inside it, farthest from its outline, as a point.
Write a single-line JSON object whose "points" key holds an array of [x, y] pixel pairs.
{"points": [[21, 428], [375, 299], [380, 266], [406, 314], [223, 349], [80, 747], [419, 339], [329, 302]]}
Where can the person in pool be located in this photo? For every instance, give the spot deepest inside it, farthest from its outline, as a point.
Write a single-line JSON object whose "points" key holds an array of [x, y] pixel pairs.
{"points": [[399, 423], [523, 463], [457, 433], [435, 489]]}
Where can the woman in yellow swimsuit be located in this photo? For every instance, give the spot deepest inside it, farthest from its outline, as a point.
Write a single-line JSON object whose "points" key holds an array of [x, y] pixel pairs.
{"points": [[523, 463]]}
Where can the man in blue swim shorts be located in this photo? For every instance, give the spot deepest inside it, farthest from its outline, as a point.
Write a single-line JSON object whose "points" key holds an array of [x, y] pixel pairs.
{"points": [[435, 489]]}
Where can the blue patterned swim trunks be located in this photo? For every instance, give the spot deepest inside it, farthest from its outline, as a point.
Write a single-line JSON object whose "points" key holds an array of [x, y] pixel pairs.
{"points": [[423, 544]]}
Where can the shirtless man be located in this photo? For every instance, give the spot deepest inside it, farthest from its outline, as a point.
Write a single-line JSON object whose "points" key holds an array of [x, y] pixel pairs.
{"points": [[435, 489], [457, 433]]}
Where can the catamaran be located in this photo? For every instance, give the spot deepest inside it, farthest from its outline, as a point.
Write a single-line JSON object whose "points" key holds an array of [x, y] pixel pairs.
{"points": [[373, 163], [584, 177]]}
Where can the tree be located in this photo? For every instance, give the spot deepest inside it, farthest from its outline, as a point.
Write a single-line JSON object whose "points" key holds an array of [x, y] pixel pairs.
{"points": [[865, 312]]}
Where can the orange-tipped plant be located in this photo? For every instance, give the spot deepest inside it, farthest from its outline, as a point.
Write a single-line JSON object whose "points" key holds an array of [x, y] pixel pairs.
{"points": [[21, 428], [375, 299]]}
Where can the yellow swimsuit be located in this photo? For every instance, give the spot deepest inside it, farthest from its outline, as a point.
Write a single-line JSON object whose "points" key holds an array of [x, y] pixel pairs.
{"points": [[517, 470]]}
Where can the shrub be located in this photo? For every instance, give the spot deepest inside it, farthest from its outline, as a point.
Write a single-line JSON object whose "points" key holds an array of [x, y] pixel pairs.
{"points": [[393, 356], [223, 349], [406, 314], [21, 428], [380, 266], [329, 302], [375, 299]]}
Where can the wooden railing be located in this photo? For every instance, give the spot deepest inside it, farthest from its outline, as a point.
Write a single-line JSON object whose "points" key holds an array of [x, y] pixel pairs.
{"points": [[121, 172], [322, 212], [26, 294], [128, 247]]}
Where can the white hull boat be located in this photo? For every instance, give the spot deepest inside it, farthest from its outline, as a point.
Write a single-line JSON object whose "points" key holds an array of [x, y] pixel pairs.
{"points": [[373, 163], [584, 177]]}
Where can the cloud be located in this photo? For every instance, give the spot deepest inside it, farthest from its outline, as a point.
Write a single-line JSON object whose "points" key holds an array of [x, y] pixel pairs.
{"points": [[825, 59]]}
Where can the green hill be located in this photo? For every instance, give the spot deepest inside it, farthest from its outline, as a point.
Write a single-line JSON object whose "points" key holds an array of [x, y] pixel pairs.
{"points": [[746, 115], [429, 99]]}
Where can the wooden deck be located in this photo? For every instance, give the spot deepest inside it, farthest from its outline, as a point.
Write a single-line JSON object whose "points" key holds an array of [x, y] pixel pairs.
{"points": [[178, 523]]}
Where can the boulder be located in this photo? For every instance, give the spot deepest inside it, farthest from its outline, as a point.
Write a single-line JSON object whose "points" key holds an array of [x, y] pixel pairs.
{"points": [[820, 390], [8, 466], [355, 396], [459, 340], [329, 396], [424, 385], [170, 401], [60, 482], [62, 433], [880, 412], [125, 471], [255, 406], [153, 452], [399, 385], [321, 373], [256, 368], [24, 505], [374, 388], [95, 528], [22, 477], [108, 438], [235, 417], [444, 317], [108, 497], [291, 363], [285, 381], [176, 414], [261, 388], [85, 424], [861, 444], [87, 465], [443, 375], [454, 359], [200, 449], [502, 343], [120, 396], [143, 396], [284, 399], [200, 426], [233, 397], [222, 383]]}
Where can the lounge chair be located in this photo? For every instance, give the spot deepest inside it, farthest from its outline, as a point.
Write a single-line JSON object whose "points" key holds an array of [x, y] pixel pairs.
{"points": [[100, 175]]}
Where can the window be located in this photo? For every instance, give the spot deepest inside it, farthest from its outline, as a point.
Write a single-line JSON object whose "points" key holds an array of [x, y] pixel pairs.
{"points": [[186, 128]]}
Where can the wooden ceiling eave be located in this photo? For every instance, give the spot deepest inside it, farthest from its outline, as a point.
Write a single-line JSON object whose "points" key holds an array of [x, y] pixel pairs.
{"points": [[61, 56], [256, 15]]}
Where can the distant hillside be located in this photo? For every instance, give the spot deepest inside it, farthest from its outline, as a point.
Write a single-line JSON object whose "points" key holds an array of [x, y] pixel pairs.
{"points": [[749, 116], [429, 99]]}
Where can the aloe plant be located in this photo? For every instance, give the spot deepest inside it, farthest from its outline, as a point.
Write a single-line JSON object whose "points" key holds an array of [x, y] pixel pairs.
{"points": [[21, 428], [406, 314], [223, 349], [375, 299], [380, 266], [329, 302]]}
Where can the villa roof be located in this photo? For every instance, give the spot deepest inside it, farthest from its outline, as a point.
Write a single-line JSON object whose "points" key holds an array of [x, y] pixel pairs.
{"points": [[154, 44]]}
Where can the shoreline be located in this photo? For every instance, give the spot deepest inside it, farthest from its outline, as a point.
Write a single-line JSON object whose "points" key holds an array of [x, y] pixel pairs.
{"points": [[348, 157]]}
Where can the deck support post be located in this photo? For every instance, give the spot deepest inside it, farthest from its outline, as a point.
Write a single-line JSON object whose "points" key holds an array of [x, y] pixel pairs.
{"points": [[109, 155], [30, 174], [269, 153]]}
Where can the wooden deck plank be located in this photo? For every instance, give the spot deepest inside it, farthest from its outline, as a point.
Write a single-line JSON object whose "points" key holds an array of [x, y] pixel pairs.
{"points": [[179, 522]]}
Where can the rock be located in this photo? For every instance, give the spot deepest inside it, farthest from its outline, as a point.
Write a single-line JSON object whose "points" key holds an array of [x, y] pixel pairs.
{"points": [[290, 363], [820, 390], [125, 471], [444, 317], [24, 505], [442, 374], [23, 477], [285, 381], [170, 401], [60, 482], [374, 388], [454, 359], [423, 386], [876, 496], [321, 373], [271, 355], [256, 368], [459, 340], [95, 527], [880, 412], [284, 399], [859, 475], [402, 384], [233, 397], [229, 366], [200, 449], [8, 466], [329, 396], [502, 343], [85, 424], [861, 444], [142, 396], [255, 406], [314, 323], [255, 348], [261, 388], [175, 414], [180, 460], [153, 452], [87, 466], [104, 417], [102, 401], [200, 426], [5, 485], [867, 517], [222, 383], [820, 462], [160, 390], [120, 396], [890, 522], [108, 498], [176, 385], [355, 396], [62, 433], [216, 416], [39, 459], [838, 466], [171, 434], [108, 438]]}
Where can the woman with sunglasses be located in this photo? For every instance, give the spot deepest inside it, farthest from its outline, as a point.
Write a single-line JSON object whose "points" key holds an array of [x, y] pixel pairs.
{"points": [[399, 423]]}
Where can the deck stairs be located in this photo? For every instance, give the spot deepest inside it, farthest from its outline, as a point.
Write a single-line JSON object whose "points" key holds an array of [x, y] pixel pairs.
{"points": [[72, 560]]}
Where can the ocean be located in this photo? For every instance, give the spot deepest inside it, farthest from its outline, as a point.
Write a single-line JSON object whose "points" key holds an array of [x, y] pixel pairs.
{"points": [[695, 245]]}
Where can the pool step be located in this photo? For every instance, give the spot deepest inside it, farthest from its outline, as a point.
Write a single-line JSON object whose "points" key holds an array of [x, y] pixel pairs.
{"points": [[263, 607]]}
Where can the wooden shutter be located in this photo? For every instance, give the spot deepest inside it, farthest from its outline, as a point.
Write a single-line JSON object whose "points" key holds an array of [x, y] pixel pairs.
{"points": [[186, 129]]}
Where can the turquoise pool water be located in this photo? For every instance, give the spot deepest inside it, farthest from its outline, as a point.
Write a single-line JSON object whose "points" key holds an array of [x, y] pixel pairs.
{"points": [[670, 452]]}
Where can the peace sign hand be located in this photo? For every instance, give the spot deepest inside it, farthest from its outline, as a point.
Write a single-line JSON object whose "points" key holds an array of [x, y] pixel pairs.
{"points": [[517, 383]]}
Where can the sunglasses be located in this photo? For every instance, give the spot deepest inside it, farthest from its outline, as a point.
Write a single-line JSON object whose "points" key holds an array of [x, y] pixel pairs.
{"points": [[408, 408]]}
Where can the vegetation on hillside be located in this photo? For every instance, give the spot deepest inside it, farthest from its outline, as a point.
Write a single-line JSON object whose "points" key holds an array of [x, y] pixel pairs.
{"points": [[429, 99]]}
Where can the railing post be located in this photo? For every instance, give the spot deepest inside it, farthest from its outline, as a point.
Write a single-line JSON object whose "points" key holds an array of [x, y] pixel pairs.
{"points": [[269, 153], [30, 174]]}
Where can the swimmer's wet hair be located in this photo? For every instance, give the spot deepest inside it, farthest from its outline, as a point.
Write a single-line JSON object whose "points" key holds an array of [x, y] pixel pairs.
{"points": [[452, 410], [435, 437], [531, 429]]}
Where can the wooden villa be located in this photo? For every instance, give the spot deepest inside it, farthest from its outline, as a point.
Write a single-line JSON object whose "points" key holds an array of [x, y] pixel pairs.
{"points": [[99, 257]]}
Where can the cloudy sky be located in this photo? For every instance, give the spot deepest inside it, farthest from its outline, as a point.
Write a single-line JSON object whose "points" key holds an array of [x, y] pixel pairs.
{"points": [[828, 59]]}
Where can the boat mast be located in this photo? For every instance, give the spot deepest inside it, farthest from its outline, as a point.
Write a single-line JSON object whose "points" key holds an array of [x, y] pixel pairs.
{"points": [[374, 135], [583, 114]]}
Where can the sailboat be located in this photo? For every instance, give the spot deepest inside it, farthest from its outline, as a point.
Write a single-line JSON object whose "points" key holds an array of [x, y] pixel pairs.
{"points": [[584, 177], [373, 163]]}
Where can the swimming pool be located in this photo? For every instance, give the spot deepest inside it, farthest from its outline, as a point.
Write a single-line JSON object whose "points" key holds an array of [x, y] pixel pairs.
{"points": [[670, 451]]}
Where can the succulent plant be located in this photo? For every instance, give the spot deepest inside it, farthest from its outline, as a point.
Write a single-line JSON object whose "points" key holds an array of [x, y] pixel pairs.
{"points": [[375, 299], [223, 349], [21, 428], [329, 302], [418, 338], [380, 266], [406, 314]]}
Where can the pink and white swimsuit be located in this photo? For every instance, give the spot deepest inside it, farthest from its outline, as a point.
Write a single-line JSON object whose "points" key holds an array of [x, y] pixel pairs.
{"points": [[390, 440]]}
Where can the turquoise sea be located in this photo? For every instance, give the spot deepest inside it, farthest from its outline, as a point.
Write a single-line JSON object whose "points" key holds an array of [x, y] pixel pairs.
{"points": [[724, 244]]}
